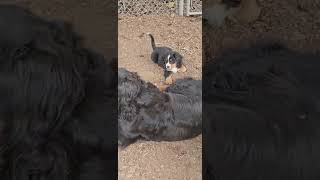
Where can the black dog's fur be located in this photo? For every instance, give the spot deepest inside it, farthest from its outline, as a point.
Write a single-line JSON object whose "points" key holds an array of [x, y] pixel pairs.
{"points": [[261, 115], [56, 100], [146, 113], [165, 55], [231, 3]]}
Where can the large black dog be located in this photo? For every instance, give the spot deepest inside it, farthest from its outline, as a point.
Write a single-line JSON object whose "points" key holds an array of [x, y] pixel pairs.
{"points": [[146, 113], [261, 115], [56, 117]]}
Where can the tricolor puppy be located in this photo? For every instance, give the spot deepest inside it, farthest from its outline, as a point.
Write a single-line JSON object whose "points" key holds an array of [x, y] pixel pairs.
{"points": [[168, 59]]}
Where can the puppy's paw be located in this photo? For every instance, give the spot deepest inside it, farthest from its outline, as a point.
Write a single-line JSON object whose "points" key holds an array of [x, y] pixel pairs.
{"points": [[183, 69], [168, 80]]}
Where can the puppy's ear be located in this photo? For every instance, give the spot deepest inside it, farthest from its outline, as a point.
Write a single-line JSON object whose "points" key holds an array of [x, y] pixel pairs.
{"points": [[174, 55], [177, 56]]}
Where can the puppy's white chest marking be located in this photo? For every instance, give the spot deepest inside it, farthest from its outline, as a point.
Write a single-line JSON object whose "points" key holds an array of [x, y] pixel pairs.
{"points": [[174, 70]]}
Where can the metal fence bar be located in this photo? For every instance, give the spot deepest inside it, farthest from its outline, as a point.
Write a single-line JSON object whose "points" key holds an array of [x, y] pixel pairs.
{"points": [[181, 5], [188, 7]]}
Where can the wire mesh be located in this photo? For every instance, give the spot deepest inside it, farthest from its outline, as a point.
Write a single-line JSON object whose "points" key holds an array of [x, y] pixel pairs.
{"points": [[196, 6]]}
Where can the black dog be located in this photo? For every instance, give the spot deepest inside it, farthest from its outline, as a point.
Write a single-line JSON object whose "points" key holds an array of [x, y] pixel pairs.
{"points": [[146, 113], [261, 115], [56, 118], [166, 58]]}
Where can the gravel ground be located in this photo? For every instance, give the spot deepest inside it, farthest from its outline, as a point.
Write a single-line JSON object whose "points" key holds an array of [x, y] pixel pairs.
{"points": [[160, 160]]}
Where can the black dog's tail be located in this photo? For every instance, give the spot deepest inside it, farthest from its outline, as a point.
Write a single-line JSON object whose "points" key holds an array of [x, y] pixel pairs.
{"points": [[153, 44]]}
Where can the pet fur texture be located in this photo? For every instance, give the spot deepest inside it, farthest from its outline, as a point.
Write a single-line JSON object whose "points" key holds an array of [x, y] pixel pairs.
{"points": [[56, 118], [148, 114], [261, 115]]}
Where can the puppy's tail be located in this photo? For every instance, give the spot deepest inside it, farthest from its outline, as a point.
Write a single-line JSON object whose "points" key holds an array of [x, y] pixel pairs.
{"points": [[153, 44]]}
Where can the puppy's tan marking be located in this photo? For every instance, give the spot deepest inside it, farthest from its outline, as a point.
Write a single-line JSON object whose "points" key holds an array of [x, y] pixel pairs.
{"points": [[182, 69], [169, 80], [163, 87]]}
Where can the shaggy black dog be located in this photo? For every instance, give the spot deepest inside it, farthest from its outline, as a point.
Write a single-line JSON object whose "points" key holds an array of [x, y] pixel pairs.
{"points": [[170, 61], [56, 117], [146, 113], [261, 115]]}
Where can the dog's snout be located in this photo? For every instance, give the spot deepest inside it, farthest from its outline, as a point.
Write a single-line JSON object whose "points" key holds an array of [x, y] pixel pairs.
{"points": [[168, 66]]}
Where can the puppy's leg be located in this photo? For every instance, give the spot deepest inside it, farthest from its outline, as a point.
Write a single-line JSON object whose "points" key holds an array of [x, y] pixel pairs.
{"points": [[182, 69], [168, 77]]}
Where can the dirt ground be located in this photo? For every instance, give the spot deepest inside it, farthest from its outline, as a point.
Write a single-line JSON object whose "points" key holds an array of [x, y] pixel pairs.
{"points": [[163, 160], [180, 33], [296, 23]]}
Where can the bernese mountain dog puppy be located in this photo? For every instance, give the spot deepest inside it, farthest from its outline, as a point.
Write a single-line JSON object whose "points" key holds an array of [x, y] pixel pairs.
{"points": [[166, 58], [261, 115], [57, 97], [148, 114]]}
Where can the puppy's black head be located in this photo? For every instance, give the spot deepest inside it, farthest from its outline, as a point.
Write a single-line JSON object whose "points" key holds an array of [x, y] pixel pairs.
{"points": [[173, 62]]}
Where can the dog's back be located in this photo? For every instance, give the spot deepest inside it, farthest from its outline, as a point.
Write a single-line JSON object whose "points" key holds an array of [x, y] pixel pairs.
{"points": [[261, 115], [186, 102], [188, 87]]}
